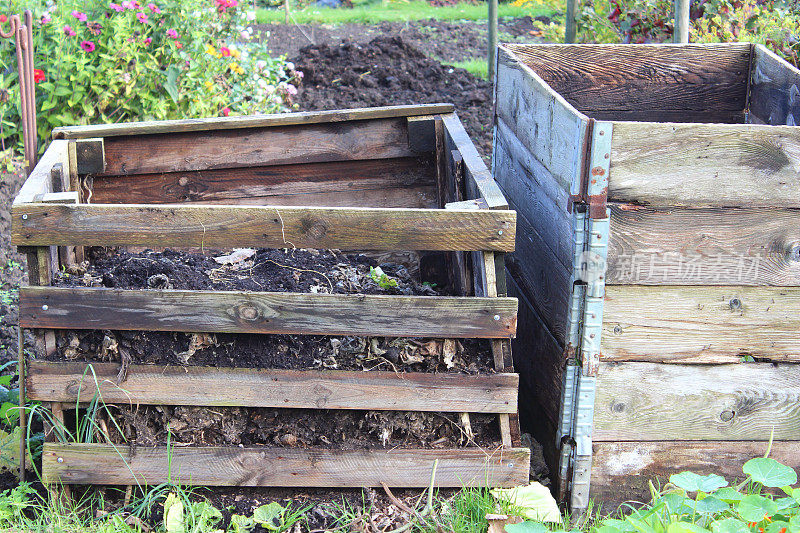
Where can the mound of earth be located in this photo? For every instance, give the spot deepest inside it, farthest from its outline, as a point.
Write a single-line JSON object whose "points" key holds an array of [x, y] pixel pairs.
{"points": [[389, 71]]}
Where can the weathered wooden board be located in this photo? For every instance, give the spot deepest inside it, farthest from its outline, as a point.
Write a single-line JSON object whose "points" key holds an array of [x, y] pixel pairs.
{"points": [[232, 226], [101, 464], [652, 82], [541, 277], [550, 128], [408, 182], [734, 246], [537, 195], [477, 176], [253, 121], [39, 180], [267, 312], [774, 89], [249, 387], [621, 470], [650, 401], [716, 324], [701, 165], [279, 145]]}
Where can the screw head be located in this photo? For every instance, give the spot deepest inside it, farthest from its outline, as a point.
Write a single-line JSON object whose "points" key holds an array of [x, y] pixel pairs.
{"points": [[60, 460], [617, 330], [511, 465], [45, 307], [500, 232], [24, 217], [496, 317], [735, 304]]}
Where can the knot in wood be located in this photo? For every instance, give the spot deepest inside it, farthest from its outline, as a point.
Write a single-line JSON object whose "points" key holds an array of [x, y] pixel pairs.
{"points": [[248, 312], [735, 304], [313, 228], [726, 415]]}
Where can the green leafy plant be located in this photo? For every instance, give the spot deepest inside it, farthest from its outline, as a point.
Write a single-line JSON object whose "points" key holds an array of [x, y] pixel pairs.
{"points": [[99, 61], [382, 279]]}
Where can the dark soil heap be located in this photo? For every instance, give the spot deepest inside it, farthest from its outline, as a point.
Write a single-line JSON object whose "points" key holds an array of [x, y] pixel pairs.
{"points": [[388, 71]]}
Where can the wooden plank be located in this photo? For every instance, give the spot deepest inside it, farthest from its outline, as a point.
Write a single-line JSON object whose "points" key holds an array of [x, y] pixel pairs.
{"points": [[406, 182], [268, 312], [774, 89], [66, 197], [536, 193], [249, 387], [651, 82], [730, 165], [232, 226], [40, 180], [90, 156], [254, 121], [714, 325], [280, 145], [551, 129], [743, 246], [621, 470], [651, 401], [101, 464], [476, 174], [544, 280]]}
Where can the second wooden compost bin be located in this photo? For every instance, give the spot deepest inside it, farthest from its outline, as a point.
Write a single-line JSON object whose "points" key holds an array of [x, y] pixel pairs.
{"points": [[658, 257], [384, 179]]}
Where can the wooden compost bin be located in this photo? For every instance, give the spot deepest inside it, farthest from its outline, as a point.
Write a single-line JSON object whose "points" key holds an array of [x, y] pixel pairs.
{"points": [[383, 179], [658, 257]]}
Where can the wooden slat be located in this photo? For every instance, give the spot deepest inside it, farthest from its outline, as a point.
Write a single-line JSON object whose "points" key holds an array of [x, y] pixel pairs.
{"points": [[255, 121], [232, 226], [703, 165], [550, 128], [265, 312], [712, 325], [475, 171], [621, 470], [744, 246], [39, 179], [249, 387], [774, 89], [650, 401], [280, 145], [407, 182], [100, 464], [651, 82]]}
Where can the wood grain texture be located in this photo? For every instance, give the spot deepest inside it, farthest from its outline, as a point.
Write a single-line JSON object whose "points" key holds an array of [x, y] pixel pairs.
{"points": [[39, 180], [550, 128], [253, 121], [268, 312], [544, 280], [707, 246], [101, 464], [651, 401], [538, 196], [262, 226], [703, 165], [279, 145], [405, 182], [774, 89], [249, 387], [680, 324], [475, 171], [653, 82], [621, 470]]}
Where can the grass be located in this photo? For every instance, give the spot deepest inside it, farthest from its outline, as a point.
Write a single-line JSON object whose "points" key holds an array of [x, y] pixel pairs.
{"points": [[476, 66], [396, 11]]}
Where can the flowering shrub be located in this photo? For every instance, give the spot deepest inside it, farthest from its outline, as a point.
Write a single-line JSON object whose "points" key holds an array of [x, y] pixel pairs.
{"points": [[114, 62]]}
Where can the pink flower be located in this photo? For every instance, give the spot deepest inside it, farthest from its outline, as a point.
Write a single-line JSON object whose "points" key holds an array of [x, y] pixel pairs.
{"points": [[226, 111], [116, 7], [80, 16], [45, 18], [69, 31], [154, 8], [148, 41], [3, 18], [178, 45], [298, 74], [88, 46], [127, 4], [226, 52], [291, 90], [141, 17], [172, 33]]}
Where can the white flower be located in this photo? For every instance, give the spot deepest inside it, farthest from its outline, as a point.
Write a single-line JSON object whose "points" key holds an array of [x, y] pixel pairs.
{"points": [[289, 65], [261, 64], [251, 16]]}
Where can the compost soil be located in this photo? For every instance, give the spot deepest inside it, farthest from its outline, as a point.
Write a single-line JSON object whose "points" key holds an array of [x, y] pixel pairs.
{"points": [[270, 270]]}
